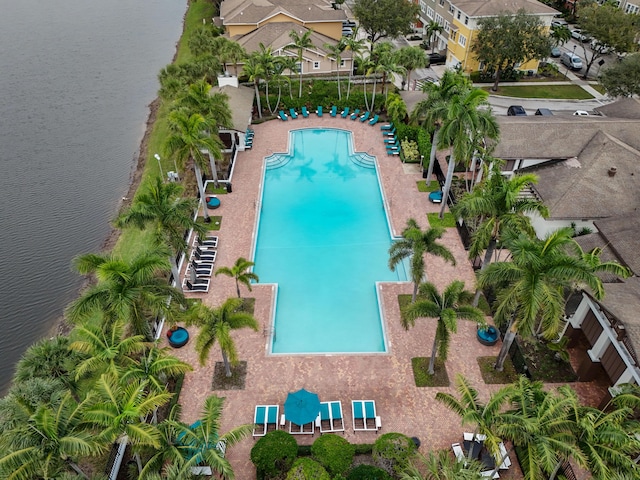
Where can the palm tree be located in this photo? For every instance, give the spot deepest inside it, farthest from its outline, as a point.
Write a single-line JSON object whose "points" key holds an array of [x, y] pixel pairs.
{"points": [[159, 205], [132, 291], [240, 273], [531, 285], [484, 417], [254, 70], [105, 351], [214, 107], [432, 111], [464, 128], [205, 443], [356, 46], [216, 325], [560, 36], [189, 140], [433, 28], [411, 58], [48, 443], [440, 465], [498, 205], [414, 244], [396, 108], [539, 425], [300, 42], [234, 53], [335, 52], [156, 366], [117, 410], [268, 62], [446, 308], [170, 452]]}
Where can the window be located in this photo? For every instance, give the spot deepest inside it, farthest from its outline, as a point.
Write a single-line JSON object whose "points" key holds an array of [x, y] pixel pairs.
{"points": [[453, 35], [441, 3], [439, 19], [459, 15], [342, 62], [430, 13], [298, 67], [631, 8], [423, 6], [316, 65], [466, 20], [451, 9], [446, 26], [462, 40]]}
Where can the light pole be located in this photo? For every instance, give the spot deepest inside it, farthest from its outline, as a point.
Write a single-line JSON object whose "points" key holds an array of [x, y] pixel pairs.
{"points": [[159, 166]]}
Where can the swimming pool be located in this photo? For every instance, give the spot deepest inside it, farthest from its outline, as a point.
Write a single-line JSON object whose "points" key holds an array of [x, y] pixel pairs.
{"points": [[323, 237]]}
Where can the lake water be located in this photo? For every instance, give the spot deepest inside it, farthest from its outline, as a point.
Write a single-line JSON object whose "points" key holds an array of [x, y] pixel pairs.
{"points": [[76, 79]]}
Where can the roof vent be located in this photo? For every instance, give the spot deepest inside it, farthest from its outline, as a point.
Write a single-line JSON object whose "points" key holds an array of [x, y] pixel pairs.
{"points": [[612, 171]]}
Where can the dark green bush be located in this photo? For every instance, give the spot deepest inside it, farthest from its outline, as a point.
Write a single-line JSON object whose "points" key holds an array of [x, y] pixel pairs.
{"points": [[333, 452], [274, 454], [364, 448], [368, 472], [307, 469], [392, 451]]}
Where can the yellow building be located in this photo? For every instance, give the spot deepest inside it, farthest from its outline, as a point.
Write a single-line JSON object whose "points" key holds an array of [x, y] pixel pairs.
{"points": [[464, 28]]}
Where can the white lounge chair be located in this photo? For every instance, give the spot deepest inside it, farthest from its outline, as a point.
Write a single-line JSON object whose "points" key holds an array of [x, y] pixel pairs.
{"points": [[265, 417], [203, 255], [330, 417], [202, 269], [202, 285], [208, 242], [487, 473], [503, 454], [364, 416], [458, 452]]}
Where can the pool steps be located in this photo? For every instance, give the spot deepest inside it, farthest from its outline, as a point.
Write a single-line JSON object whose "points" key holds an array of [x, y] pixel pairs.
{"points": [[277, 160]]}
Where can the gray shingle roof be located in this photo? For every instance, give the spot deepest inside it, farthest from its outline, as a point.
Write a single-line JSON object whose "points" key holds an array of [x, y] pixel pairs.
{"points": [[255, 11], [623, 301], [240, 103], [623, 108], [622, 233], [487, 8]]}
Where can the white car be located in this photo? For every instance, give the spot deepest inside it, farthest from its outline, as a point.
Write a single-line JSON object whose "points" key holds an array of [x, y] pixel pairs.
{"points": [[559, 23], [578, 35], [596, 45], [581, 113]]}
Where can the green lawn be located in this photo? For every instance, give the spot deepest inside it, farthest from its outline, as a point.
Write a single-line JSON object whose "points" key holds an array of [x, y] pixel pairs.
{"points": [[449, 221], [431, 187], [570, 92]]}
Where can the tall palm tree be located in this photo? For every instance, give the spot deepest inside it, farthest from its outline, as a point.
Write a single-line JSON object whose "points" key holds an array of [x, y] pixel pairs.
{"points": [[484, 417], [560, 36], [335, 52], [206, 445], [254, 70], [411, 58], [240, 273], [531, 285], [433, 28], [287, 63], [396, 108], [49, 443], [540, 427], [268, 61], [414, 244], [188, 139], [356, 46], [431, 112], [299, 43], [213, 106], [446, 308], [117, 411], [132, 291], [497, 204], [440, 465], [105, 351], [234, 53], [463, 129], [159, 205], [170, 452], [216, 325], [156, 366]]}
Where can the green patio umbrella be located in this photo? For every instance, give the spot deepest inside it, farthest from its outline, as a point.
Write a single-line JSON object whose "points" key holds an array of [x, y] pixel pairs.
{"points": [[301, 407]]}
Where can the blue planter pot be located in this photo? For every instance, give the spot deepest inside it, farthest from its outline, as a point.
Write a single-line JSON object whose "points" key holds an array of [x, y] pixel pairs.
{"points": [[488, 336]]}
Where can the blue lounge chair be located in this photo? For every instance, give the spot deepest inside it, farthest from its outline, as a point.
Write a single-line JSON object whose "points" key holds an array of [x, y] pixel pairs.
{"points": [[374, 120], [365, 117], [293, 113], [395, 146], [389, 133], [355, 114], [305, 112], [387, 126], [264, 417], [319, 110], [391, 140], [345, 112], [393, 152], [334, 111], [283, 116], [330, 417], [364, 415]]}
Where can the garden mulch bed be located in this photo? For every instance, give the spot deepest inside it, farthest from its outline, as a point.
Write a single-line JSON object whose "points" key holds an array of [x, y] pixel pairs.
{"points": [[235, 382], [491, 376], [543, 365], [420, 366]]}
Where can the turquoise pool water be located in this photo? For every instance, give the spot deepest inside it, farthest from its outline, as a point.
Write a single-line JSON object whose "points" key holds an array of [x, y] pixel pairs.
{"points": [[323, 237]]}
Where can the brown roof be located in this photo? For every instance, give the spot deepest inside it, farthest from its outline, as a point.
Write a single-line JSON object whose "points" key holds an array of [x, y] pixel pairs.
{"points": [[240, 103], [538, 137], [623, 108], [623, 301], [622, 233], [487, 8], [255, 11], [581, 187]]}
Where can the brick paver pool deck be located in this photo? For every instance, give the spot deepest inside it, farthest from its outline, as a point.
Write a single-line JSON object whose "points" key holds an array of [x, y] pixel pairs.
{"points": [[385, 378]]}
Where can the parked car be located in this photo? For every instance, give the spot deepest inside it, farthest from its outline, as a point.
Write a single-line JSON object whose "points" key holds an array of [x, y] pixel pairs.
{"points": [[578, 35], [437, 58], [581, 113], [557, 23], [600, 47], [545, 112], [516, 111], [571, 60], [556, 52]]}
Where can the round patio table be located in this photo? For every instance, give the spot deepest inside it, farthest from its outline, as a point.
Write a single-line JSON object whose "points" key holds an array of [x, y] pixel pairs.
{"points": [[213, 202], [179, 337]]}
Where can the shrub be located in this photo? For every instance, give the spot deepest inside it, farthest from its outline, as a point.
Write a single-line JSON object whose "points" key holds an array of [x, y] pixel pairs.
{"points": [[307, 469], [368, 472], [410, 150], [333, 452], [392, 451], [364, 448], [274, 453]]}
